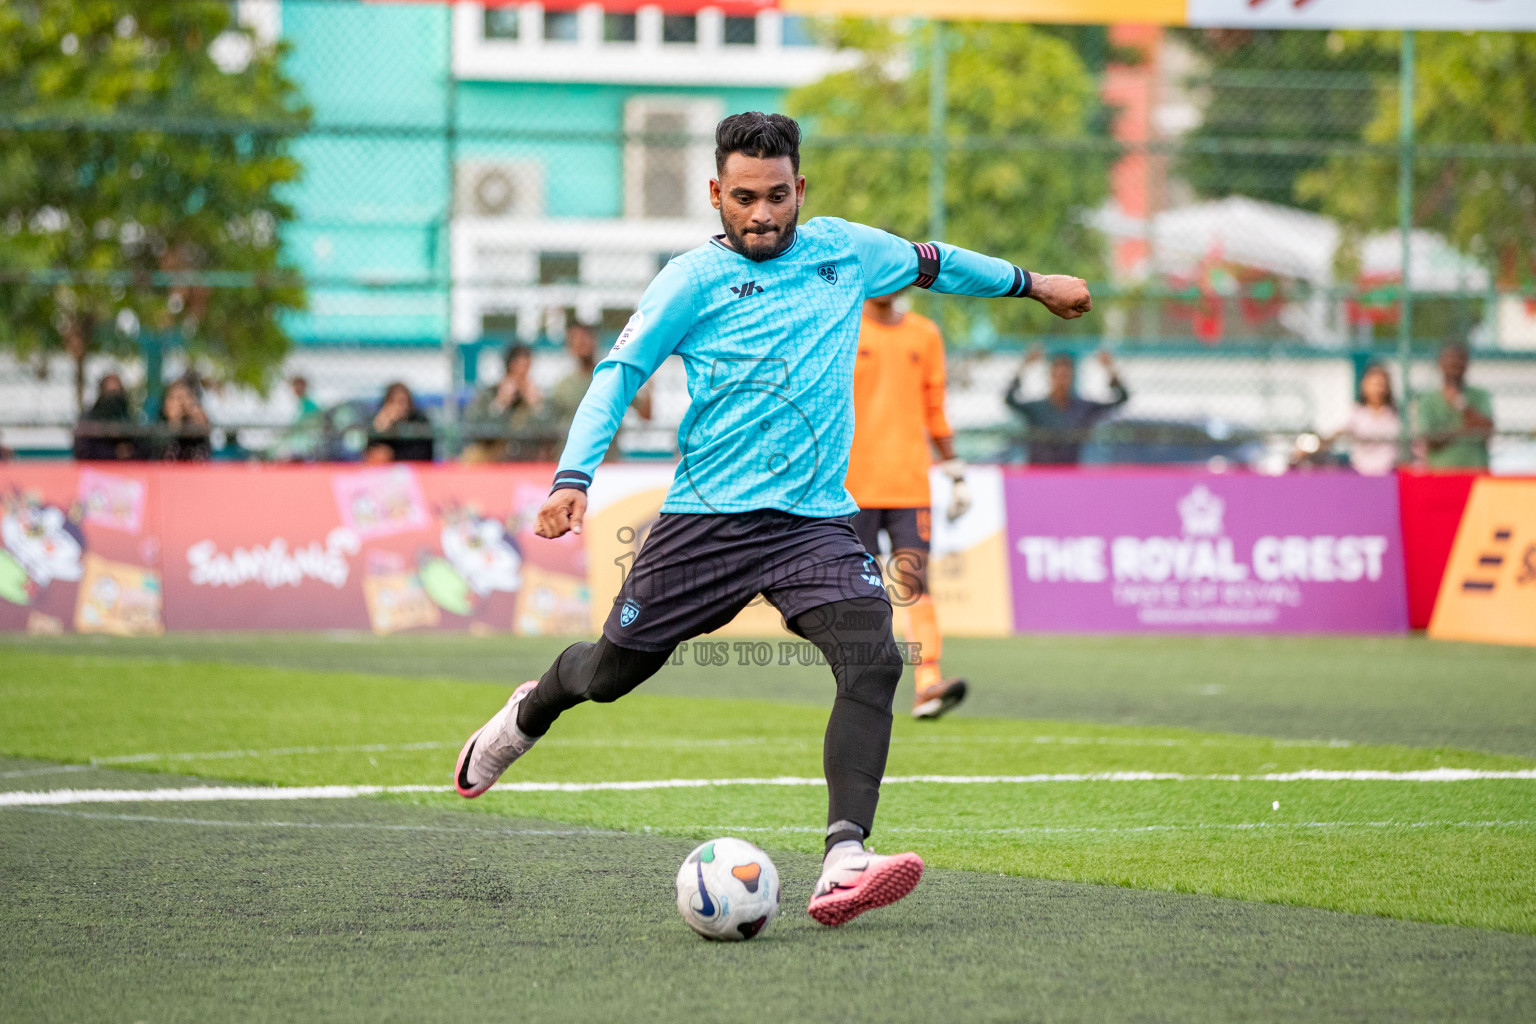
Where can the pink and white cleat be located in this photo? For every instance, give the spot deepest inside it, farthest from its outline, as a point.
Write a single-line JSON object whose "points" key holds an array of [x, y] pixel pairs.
{"points": [[493, 747], [863, 881]]}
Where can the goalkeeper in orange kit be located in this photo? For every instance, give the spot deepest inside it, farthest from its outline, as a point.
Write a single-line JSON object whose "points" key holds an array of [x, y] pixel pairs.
{"points": [[898, 403]]}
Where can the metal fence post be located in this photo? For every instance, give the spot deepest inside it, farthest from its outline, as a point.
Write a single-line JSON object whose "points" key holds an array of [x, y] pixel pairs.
{"points": [[451, 353], [152, 347], [1405, 74], [938, 114]]}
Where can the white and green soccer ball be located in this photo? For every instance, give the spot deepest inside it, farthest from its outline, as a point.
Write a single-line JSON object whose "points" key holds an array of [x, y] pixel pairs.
{"points": [[728, 890]]}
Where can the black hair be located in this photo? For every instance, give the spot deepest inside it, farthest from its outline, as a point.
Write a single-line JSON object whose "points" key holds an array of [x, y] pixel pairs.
{"points": [[400, 385], [514, 351], [760, 135], [1457, 346], [1375, 367]]}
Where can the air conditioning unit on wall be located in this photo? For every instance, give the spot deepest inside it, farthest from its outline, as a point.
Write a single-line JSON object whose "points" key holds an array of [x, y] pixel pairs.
{"points": [[498, 188]]}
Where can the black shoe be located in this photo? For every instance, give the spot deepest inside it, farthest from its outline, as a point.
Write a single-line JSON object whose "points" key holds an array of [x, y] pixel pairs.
{"points": [[939, 698]]}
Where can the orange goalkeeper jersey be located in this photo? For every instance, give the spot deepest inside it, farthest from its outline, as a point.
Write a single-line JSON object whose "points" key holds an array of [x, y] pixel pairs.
{"points": [[898, 404]]}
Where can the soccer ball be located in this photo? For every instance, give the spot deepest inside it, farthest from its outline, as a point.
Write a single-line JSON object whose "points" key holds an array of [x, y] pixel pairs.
{"points": [[728, 890]]}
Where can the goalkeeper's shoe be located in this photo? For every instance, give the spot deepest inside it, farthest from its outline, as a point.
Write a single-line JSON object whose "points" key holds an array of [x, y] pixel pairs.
{"points": [[863, 881], [935, 700], [493, 747]]}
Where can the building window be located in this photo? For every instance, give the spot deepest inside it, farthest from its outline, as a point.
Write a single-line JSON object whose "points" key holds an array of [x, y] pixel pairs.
{"points": [[740, 31], [798, 30], [501, 23], [613, 319], [665, 140], [560, 26], [559, 268], [619, 28], [679, 28], [669, 155], [498, 325]]}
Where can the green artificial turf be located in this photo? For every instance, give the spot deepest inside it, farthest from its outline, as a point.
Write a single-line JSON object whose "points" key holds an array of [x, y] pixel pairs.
{"points": [[1386, 689], [1457, 852], [367, 911]]}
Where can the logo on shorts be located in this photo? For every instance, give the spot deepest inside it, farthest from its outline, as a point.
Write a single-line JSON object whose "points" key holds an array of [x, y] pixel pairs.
{"points": [[629, 613], [828, 272], [870, 573]]}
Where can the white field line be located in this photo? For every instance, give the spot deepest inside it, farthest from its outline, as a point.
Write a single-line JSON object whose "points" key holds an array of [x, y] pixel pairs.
{"points": [[798, 829], [374, 826], [204, 794], [219, 755], [1031, 830], [680, 743]]}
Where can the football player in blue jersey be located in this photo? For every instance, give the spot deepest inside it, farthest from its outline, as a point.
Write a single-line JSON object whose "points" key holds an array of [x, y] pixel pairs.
{"points": [[766, 320]]}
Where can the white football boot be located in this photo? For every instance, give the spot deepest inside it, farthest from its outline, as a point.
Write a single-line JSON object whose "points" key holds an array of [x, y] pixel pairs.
{"points": [[493, 747], [860, 881]]}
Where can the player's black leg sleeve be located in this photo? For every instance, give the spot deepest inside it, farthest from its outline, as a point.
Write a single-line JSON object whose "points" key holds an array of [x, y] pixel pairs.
{"points": [[855, 636], [598, 671]]}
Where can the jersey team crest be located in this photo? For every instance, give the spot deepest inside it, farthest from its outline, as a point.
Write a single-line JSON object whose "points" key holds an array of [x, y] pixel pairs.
{"points": [[629, 613], [828, 272]]}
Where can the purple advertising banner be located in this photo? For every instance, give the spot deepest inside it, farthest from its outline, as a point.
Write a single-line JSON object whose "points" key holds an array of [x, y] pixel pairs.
{"points": [[1165, 552]]}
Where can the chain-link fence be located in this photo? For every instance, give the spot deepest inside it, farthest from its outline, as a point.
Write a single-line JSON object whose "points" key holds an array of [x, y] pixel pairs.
{"points": [[355, 194]]}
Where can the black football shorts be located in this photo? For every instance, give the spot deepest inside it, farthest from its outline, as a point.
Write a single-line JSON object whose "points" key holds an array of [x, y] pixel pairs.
{"points": [[695, 572]]}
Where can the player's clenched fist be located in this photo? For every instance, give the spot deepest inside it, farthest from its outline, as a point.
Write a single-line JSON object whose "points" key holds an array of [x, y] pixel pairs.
{"points": [[1062, 294], [563, 511]]}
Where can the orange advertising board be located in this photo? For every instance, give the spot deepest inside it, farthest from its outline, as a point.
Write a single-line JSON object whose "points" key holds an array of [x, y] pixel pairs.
{"points": [[1488, 593]]}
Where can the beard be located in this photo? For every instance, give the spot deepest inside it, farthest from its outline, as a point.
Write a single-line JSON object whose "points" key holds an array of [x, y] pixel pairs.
{"points": [[752, 244]]}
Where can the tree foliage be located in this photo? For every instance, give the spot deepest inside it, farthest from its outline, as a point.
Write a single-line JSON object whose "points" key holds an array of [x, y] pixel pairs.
{"points": [[1269, 98], [1022, 168], [127, 151], [1475, 111]]}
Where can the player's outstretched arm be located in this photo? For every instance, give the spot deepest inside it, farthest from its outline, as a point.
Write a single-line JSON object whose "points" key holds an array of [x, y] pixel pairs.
{"points": [[660, 323], [891, 263]]}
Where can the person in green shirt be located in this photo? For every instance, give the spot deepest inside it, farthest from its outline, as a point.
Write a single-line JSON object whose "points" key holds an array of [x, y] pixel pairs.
{"points": [[581, 343], [506, 420], [308, 407], [1455, 422]]}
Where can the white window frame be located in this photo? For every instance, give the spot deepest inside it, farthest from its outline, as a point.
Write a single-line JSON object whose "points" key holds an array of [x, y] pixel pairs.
{"points": [[700, 117]]}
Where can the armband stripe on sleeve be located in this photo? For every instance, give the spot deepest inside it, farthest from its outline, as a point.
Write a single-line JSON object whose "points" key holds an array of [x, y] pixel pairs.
{"points": [[927, 264], [1022, 283], [572, 478]]}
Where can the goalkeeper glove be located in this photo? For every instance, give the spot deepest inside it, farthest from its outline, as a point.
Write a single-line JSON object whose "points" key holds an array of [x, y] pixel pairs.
{"points": [[959, 491]]}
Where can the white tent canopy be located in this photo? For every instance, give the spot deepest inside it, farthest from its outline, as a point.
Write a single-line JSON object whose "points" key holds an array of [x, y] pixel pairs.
{"points": [[1286, 242]]}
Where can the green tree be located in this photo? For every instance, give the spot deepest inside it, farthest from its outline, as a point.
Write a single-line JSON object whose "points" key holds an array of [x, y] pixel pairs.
{"points": [[129, 152], [1271, 98], [1474, 113], [1022, 169]]}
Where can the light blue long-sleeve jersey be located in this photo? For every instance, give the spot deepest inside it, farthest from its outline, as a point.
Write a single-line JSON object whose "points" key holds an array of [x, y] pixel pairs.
{"points": [[769, 349]]}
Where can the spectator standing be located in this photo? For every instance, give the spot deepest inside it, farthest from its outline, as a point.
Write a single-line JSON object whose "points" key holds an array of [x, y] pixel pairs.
{"points": [[1454, 423], [186, 432], [105, 431], [400, 432], [309, 409], [581, 343], [1058, 424], [305, 437], [1374, 428], [505, 413]]}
